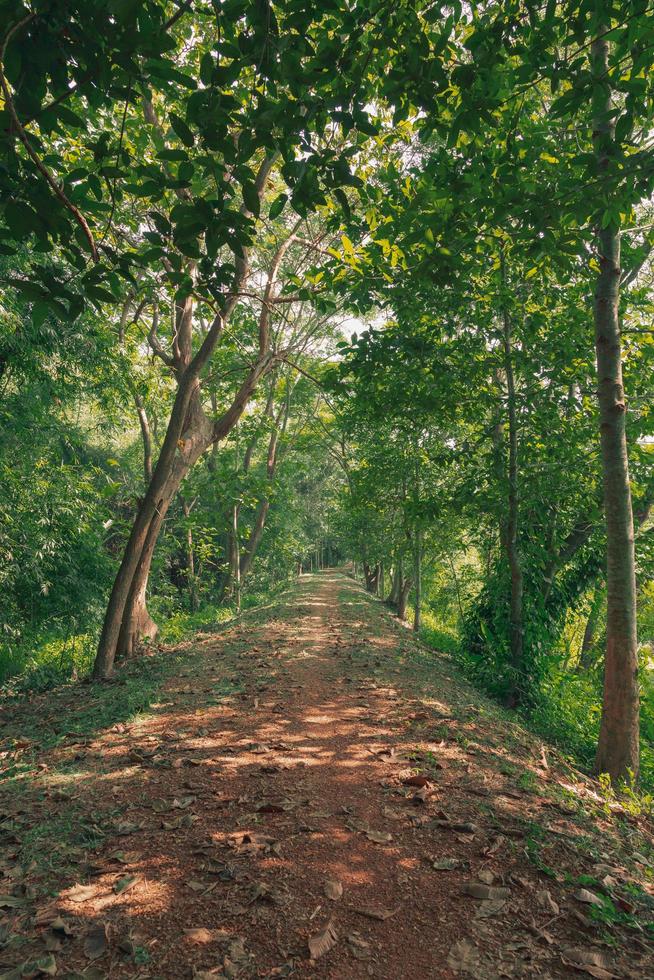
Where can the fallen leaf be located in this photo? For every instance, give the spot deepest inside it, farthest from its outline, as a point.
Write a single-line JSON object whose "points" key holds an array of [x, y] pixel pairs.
{"points": [[82, 893], [124, 884], [321, 942], [487, 909], [359, 948], [61, 925], [463, 957], [461, 826], [95, 941], [588, 897], [200, 936], [415, 781], [261, 892], [333, 889], [11, 902], [378, 836], [546, 901], [125, 827], [446, 864], [421, 795], [183, 803], [371, 912], [485, 892], [590, 961], [46, 965]]}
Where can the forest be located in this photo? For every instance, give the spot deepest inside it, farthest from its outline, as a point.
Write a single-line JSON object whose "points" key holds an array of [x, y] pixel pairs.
{"points": [[349, 302]]}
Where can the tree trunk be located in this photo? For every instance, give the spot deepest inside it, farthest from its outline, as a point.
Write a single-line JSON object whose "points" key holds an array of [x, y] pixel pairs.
{"points": [[512, 525], [403, 599], [618, 746], [190, 560], [236, 575], [150, 505], [372, 577], [255, 538], [147, 438], [417, 576], [189, 433], [134, 610], [394, 594], [587, 655]]}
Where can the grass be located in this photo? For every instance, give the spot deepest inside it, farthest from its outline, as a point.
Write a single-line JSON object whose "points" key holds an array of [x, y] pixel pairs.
{"points": [[55, 838], [566, 712]]}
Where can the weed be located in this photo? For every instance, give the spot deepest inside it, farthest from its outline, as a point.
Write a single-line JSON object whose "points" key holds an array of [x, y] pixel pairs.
{"points": [[527, 781]]}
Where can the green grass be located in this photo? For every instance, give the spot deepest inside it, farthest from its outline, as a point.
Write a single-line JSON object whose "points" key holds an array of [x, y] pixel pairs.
{"points": [[566, 709]]}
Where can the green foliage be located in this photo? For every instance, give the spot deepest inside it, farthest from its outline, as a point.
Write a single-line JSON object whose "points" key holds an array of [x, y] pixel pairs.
{"points": [[436, 170]]}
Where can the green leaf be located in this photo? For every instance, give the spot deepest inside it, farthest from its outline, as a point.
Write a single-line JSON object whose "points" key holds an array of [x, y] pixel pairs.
{"points": [[251, 198], [277, 206], [206, 68], [181, 129]]}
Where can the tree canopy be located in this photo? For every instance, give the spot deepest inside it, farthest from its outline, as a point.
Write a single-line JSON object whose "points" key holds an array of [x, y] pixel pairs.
{"points": [[286, 285]]}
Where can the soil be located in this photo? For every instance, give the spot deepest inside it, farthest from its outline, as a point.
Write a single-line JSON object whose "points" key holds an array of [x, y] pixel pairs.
{"points": [[309, 793]]}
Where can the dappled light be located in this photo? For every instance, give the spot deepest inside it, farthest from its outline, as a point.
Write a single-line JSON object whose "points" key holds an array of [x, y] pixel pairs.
{"points": [[248, 810], [326, 489]]}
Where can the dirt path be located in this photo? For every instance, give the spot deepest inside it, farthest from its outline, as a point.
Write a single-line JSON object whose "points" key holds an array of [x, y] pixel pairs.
{"points": [[309, 781]]}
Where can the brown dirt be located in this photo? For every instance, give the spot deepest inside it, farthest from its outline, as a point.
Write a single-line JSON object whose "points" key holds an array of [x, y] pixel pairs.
{"points": [[227, 813]]}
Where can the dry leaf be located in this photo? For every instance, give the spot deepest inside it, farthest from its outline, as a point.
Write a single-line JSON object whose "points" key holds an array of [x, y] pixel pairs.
{"points": [[183, 803], [333, 889], [95, 941], [415, 781], [359, 948], [371, 912], [462, 826], [82, 893], [446, 864], [463, 957], [11, 902], [125, 827], [590, 898], [546, 901], [323, 941], [487, 909], [378, 836], [590, 961], [199, 936], [485, 892]]}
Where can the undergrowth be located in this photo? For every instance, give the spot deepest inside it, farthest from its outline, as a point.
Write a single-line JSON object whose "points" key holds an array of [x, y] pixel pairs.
{"points": [[564, 708]]}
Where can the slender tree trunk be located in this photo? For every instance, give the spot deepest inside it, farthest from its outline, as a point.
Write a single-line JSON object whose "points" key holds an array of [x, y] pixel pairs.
{"points": [[512, 525], [137, 624], [394, 594], [417, 576], [190, 560], [618, 746], [254, 540], [237, 560], [146, 437], [403, 599], [255, 537], [587, 655]]}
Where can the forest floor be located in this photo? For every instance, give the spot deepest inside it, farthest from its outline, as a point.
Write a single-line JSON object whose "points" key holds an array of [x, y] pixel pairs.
{"points": [[310, 793]]}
